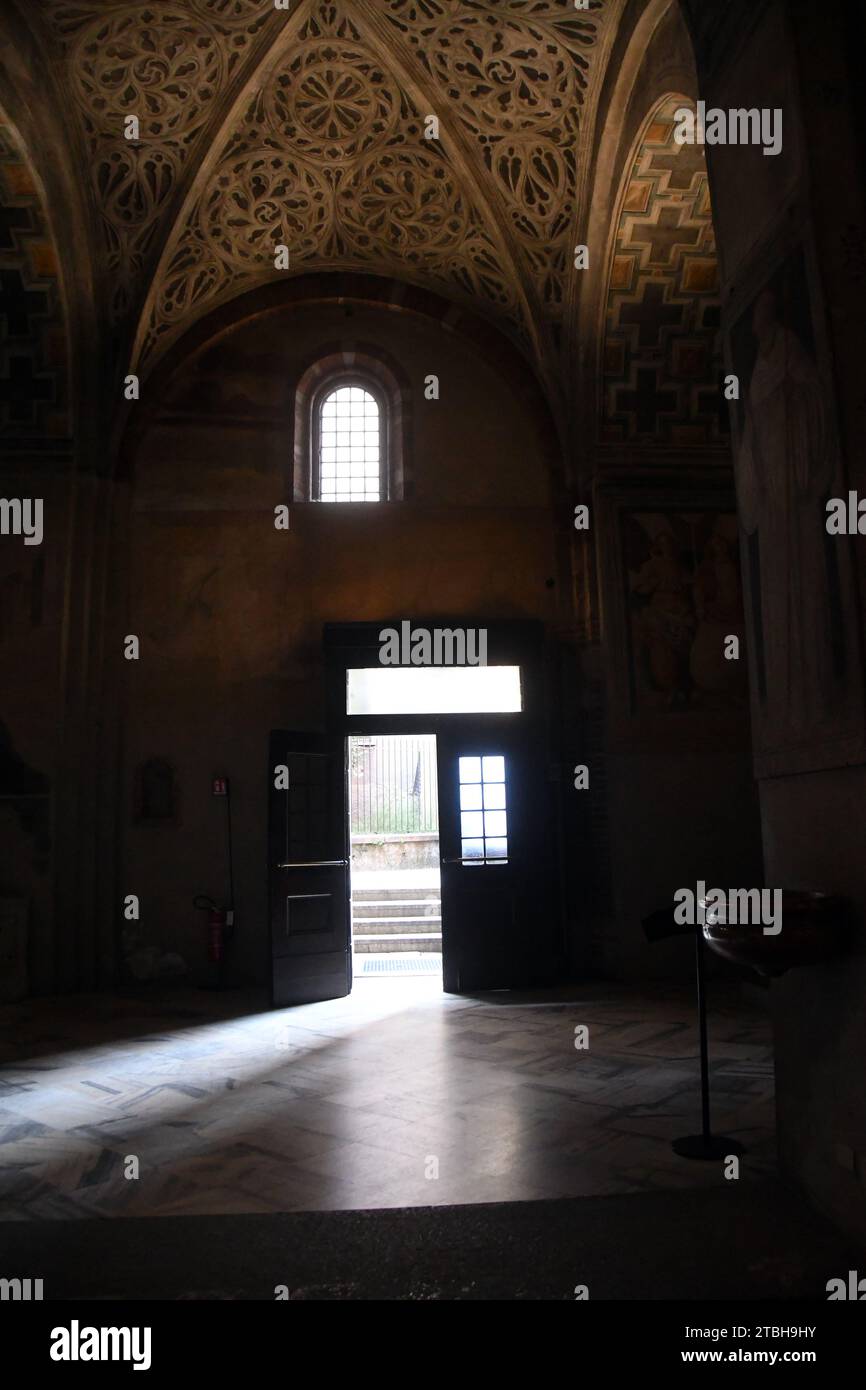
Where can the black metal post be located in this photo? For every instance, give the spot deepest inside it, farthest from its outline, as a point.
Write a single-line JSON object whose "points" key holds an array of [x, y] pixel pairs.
{"points": [[702, 1025], [705, 1144]]}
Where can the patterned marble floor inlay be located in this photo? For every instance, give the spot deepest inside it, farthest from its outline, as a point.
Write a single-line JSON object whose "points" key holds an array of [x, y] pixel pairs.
{"points": [[190, 1103]]}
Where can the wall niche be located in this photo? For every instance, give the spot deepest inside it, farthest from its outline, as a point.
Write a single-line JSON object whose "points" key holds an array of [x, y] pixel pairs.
{"points": [[155, 796]]}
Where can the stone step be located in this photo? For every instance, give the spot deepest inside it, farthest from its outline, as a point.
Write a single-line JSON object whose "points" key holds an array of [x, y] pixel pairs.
{"points": [[394, 926], [404, 936], [395, 894], [398, 908], [388, 945]]}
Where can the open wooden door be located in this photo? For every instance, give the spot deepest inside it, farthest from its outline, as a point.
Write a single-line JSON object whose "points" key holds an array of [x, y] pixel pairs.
{"points": [[500, 923], [308, 870]]}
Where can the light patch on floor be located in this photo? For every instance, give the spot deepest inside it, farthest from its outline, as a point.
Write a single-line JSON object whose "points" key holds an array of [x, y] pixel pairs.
{"points": [[397, 1096]]}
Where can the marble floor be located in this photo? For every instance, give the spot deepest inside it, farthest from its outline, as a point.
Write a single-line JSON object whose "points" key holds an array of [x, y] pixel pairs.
{"points": [[189, 1103]]}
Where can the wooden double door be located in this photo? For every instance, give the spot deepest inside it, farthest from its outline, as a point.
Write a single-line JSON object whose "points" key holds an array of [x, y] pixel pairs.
{"points": [[499, 873]]}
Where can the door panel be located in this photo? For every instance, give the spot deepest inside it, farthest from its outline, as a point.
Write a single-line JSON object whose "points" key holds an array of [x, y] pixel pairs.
{"points": [[499, 924], [308, 870]]}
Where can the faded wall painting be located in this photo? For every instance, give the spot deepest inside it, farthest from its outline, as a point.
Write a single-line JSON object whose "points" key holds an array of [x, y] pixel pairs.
{"points": [[684, 599], [800, 598]]}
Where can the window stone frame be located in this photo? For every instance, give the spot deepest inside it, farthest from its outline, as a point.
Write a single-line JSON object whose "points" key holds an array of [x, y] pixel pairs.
{"points": [[372, 369]]}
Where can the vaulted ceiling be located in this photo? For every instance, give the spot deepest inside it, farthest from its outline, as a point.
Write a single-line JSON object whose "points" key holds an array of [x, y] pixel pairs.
{"points": [[307, 126], [662, 362], [33, 379]]}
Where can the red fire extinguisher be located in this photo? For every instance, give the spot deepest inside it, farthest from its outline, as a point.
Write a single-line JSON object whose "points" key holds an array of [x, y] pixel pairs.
{"points": [[220, 921], [218, 927]]}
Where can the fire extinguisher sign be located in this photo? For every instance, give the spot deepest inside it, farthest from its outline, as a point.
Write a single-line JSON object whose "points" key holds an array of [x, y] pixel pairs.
{"points": [[220, 786]]}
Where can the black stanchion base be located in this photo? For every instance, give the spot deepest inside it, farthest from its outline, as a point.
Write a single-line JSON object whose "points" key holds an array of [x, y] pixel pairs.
{"points": [[706, 1146]]}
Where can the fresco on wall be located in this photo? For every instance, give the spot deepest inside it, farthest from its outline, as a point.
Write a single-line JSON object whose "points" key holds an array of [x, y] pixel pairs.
{"points": [[684, 600], [799, 593], [22, 597], [25, 793]]}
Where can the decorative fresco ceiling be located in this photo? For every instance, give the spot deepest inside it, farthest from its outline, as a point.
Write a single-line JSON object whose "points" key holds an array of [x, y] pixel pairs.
{"points": [[33, 347], [662, 351], [308, 127]]}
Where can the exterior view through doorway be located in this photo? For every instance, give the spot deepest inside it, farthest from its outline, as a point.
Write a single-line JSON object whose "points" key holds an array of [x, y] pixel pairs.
{"points": [[394, 855]]}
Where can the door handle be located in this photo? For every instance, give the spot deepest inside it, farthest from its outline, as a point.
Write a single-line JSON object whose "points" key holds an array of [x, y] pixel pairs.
{"points": [[317, 864]]}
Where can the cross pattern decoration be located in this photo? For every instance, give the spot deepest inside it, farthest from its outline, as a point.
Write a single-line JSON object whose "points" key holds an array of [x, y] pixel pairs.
{"points": [[32, 339], [662, 361]]}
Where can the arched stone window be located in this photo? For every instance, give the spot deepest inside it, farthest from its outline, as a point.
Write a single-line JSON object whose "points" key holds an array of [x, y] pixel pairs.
{"points": [[351, 429], [349, 460]]}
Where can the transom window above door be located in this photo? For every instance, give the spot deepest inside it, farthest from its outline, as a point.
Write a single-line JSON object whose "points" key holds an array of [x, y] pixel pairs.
{"points": [[349, 446]]}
